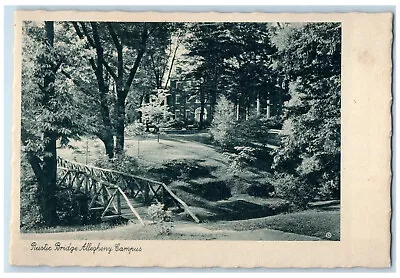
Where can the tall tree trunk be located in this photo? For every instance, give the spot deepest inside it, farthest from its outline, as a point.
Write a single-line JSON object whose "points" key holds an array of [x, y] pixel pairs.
{"points": [[47, 189], [214, 93], [108, 142], [120, 125], [46, 173], [107, 136], [202, 105]]}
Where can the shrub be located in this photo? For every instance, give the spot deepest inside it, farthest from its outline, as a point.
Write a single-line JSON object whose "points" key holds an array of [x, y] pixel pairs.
{"points": [[30, 216], [180, 169], [160, 217], [135, 129], [72, 208], [274, 122], [244, 157], [123, 163], [261, 190], [213, 191], [294, 189], [158, 214], [223, 124]]}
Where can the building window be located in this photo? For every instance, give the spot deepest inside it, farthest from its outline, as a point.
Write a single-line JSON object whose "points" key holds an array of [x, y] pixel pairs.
{"points": [[177, 99], [187, 114], [177, 112], [197, 114]]}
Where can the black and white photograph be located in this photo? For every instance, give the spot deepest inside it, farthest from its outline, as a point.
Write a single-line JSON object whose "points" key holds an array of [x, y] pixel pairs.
{"points": [[181, 130]]}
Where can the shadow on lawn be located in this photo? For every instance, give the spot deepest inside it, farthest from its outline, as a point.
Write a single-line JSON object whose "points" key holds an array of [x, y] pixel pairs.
{"points": [[240, 209], [181, 169]]}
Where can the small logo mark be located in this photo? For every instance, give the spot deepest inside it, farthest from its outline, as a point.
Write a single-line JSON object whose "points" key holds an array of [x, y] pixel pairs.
{"points": [[328, 235]]}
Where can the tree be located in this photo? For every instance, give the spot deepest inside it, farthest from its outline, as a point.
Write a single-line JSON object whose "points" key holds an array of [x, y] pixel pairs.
{"points": [[208, 47], [309, 57], [155, 112], [250, 77], [157, 65], [223, 123], [120, 49], [48, 111], [234, 59], [115, 44]]}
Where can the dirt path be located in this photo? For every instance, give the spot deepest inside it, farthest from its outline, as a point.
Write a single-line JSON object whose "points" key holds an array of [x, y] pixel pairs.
{"points": [[181, 231]]}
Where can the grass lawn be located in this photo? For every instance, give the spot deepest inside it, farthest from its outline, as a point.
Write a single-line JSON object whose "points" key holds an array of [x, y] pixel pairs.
{"points": [[177, 231], [324, 224], [233, 214]]}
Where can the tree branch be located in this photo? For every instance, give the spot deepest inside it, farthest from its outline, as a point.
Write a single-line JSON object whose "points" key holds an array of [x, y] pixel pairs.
{"points": [[133, 70], [58, 65], [97, 45], [86, 32], [114, 36], [110, 70], [118, 46], [82, 37], [155, 71], [172, 64]]}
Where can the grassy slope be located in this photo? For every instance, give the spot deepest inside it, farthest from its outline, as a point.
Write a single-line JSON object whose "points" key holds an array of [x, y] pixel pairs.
{"points": [[314, 222], [310, 222]]}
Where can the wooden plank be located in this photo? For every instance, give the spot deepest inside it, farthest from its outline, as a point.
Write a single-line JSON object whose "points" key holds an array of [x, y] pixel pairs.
{"points": [[96, 208], [95, 195], [118, 203], [131, 207], [155, 194], [64, 178], [109, 203], [109, 194], [185, 206]]}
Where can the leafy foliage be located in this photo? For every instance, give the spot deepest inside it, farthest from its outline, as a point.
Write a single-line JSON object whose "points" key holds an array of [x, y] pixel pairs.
{"points": [[179, 169], [41, 112], [309, 155], [160, 217], [155, 113], [241, 159], [29, 209], [223, 123], [158, 214]]}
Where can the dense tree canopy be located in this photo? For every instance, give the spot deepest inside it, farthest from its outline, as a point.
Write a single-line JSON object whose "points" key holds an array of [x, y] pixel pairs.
{"points": [[48, 109], [309, 58]]}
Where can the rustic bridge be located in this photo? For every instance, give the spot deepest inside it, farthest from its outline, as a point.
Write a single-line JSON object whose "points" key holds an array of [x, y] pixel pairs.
{"points": [[116, 194]]}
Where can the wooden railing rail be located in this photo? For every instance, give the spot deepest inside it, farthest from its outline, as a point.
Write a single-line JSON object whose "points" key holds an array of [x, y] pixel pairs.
{"points": [[147, 188]]}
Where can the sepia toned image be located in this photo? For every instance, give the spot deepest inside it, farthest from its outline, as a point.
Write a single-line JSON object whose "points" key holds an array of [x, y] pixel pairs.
{"points": [[192, 131]]}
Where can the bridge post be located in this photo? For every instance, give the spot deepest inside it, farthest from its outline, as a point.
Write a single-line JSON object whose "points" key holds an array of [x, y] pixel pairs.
{"points": [[146, 190], [104, 196], [119, 203], [86, 185]]}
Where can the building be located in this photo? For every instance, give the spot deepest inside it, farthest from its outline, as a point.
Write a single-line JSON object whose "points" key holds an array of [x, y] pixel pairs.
{"points": [[184, 102]]}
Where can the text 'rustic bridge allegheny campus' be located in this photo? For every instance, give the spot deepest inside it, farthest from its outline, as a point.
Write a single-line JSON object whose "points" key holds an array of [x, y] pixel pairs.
{"points": [[115, 194]]}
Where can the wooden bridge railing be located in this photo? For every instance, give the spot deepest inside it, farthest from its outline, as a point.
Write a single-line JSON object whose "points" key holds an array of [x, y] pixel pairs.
{"points": [[106, 187]]}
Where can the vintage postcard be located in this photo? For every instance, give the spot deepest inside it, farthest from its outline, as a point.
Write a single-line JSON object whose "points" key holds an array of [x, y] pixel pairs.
{"points": [[201, 139]]}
